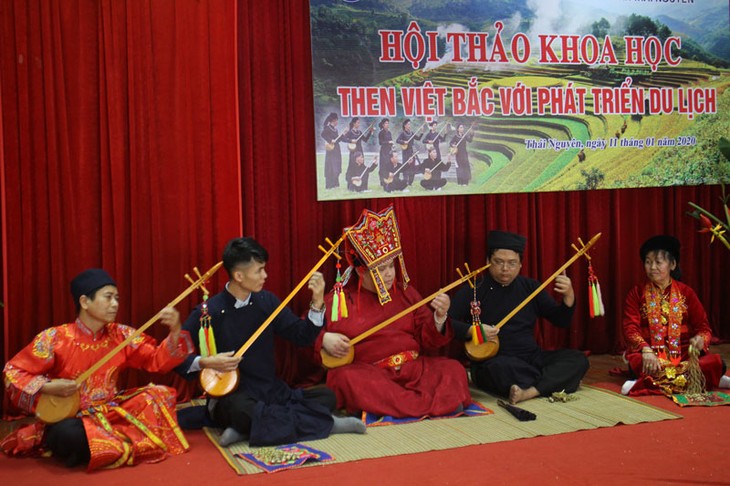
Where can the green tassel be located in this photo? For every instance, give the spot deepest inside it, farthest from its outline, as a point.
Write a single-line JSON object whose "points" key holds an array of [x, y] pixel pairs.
{"points": [[335, 306], [204, 351]]}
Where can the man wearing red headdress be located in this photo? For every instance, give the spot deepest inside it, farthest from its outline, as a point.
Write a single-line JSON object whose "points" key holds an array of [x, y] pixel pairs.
{"points": [[391, 373]]}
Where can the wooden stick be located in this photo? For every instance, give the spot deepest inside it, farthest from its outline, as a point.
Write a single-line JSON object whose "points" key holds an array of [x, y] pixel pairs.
{"points": [[572, 245], [415, 306], [284, 302], [85, 375], [546, 282], [339, 257], [202, 287], [458, 270]]}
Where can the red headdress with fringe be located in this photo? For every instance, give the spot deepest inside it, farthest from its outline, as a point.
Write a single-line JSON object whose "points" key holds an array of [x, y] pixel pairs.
{"points": [[375, 239]]}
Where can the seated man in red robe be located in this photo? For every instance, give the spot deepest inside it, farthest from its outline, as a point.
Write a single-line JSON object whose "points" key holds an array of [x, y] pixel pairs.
{"points": [[112, 428], [390, 374]]}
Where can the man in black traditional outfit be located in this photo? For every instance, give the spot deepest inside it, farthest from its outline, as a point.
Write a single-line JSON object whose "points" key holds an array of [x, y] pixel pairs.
{"points": [[332, 153], [521, 369], [433, 170], [406, 140], [263, 408], [391, 174]]}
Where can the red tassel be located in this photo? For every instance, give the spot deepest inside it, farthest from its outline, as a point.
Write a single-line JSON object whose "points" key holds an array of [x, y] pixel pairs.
{"points": [[595, 303], [477, 334], [591, 303]]}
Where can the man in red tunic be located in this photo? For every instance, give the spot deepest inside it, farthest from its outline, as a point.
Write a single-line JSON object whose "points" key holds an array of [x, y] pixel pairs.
{"points": [[390, 374], [113, 428]]}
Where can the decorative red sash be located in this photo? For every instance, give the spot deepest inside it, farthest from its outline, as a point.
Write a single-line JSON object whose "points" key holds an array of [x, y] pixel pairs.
{"points": [[397, 360]]}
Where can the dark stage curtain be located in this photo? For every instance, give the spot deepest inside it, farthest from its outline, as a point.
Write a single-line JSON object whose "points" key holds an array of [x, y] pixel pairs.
{"points": [[121, 129]]}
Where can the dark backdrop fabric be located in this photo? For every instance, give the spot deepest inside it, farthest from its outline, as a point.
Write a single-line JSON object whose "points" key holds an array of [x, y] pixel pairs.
{"points": [[120, 133], [141, 135]]}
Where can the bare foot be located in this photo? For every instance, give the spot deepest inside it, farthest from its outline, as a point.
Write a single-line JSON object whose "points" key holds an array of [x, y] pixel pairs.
{"points": [[517, 394]]}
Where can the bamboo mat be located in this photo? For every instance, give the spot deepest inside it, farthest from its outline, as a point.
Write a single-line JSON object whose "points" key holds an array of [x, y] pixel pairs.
{"points": [[593, 408]]}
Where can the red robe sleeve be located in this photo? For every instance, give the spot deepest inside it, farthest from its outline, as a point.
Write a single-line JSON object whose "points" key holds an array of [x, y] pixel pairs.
{"points": [[62, 352], [27, 372], [696, 318], [632, 321], [426, 332], [144, 353]]}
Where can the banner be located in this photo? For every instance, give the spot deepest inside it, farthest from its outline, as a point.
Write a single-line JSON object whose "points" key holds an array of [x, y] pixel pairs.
{"points": [[427, 97]]}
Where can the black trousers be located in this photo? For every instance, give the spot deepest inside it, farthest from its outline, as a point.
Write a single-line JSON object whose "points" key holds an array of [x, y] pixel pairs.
{"points": [[547, 371], [235, 410], [68, 442]]}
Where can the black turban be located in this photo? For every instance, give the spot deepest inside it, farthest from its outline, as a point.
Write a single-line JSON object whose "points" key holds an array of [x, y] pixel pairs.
{"points": [[503, 240], [88, 281]]}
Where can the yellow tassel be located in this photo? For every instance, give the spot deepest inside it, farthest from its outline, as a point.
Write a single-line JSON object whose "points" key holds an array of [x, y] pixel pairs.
{"points": [[211, 342], [343, 304]]}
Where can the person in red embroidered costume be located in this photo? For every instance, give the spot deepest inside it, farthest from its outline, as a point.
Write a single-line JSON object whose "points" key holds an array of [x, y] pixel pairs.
{"points": [[113, 428], [390, 374], [663, 317]]}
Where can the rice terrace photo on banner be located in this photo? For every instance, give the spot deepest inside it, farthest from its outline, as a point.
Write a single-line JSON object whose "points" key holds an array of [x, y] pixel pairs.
{"points": [[446, 97]]}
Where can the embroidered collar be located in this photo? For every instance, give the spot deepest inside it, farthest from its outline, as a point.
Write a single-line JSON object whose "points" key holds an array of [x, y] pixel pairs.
{"points": [[664, 310], [86, 330]]}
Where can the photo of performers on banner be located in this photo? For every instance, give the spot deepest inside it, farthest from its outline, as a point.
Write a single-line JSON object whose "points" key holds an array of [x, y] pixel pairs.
{"points": [[426, 98]]}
